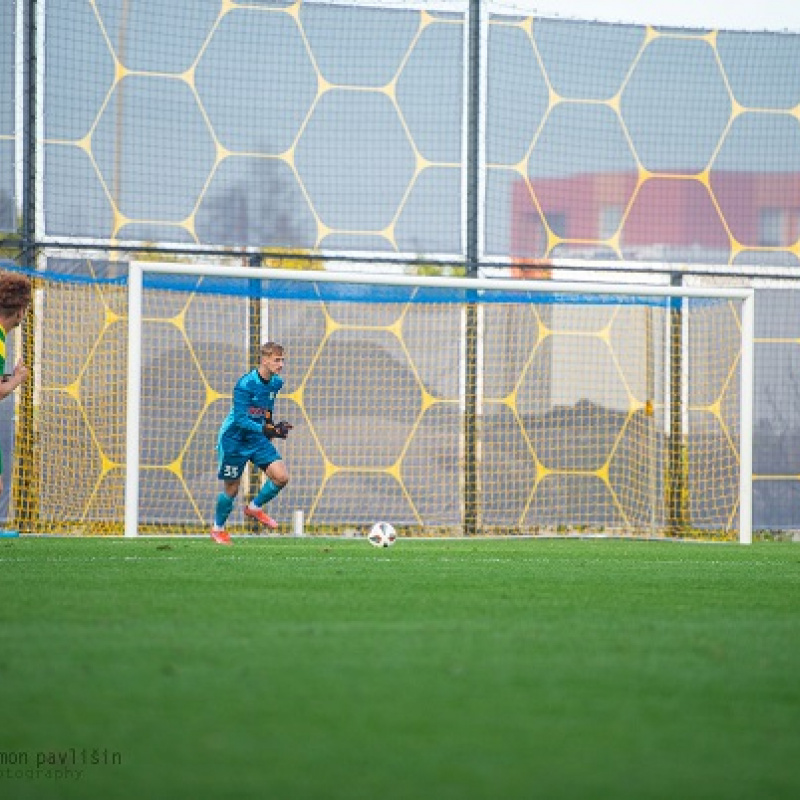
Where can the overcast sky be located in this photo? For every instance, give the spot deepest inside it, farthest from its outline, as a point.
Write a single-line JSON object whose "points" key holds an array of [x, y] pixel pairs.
{"points": [[748, 15], [755, 15]]}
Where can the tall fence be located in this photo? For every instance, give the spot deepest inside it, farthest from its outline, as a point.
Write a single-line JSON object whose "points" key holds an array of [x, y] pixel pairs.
{"points": [[464, 134]]}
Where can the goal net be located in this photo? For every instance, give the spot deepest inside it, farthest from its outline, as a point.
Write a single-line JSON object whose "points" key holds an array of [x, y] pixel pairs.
{"points": [[446, 406]]}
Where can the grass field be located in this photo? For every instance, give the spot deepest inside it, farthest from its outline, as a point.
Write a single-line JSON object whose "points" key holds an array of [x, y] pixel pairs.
{"points": [[304, 669]]}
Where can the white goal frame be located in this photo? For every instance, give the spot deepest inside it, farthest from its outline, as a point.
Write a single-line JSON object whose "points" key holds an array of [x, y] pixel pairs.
{"points": [[137, 271]]}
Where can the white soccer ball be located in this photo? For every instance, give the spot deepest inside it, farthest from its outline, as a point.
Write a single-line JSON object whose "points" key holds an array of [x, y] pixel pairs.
{"points": [[382, 534]]}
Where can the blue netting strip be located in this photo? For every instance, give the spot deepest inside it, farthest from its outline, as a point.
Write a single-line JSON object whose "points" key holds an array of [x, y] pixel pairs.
{"points": [[370, 293], [65, 277]]}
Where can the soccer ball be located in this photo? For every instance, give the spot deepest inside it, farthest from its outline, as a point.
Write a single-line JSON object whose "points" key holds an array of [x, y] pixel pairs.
{"points": [[382, 534]]}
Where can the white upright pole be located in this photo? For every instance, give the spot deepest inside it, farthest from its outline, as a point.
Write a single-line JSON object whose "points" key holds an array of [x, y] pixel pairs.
{"points": [[135, 281], [746, 415]]}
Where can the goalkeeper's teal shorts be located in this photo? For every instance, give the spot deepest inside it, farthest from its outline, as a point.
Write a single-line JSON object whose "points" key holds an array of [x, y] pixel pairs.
{"points": [[235, 450]]}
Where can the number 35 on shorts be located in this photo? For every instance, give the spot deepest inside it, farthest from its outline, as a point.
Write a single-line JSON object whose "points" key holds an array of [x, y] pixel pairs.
{"points": [[230, 472]]}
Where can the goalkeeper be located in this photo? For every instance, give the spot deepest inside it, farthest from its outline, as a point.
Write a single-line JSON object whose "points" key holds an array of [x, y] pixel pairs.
{"points": [[248, 434]]}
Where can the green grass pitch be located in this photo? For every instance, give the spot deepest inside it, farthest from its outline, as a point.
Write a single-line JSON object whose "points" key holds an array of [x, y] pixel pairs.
{"points": [[310, 669]]}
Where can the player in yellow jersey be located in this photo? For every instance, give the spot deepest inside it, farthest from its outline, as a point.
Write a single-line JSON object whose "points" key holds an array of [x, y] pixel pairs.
{"points": [[15, 297]]}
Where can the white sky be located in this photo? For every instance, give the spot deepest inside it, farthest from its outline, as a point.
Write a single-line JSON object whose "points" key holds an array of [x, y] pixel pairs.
{"points": [[754, 15]]}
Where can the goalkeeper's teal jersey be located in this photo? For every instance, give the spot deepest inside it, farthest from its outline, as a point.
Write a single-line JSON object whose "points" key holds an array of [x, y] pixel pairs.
{"points": [[253, 400]]}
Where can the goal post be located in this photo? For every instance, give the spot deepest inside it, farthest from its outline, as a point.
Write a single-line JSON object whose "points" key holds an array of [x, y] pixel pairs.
{"points": [[747, 390], [572, 390]]}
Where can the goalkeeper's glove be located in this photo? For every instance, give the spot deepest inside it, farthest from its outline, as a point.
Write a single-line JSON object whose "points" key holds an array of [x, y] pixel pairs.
{"points": [[278, 430]]}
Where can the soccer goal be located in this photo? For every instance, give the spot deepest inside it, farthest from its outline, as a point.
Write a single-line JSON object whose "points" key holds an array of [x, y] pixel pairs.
{"points": [[448, 406], [445, 406]]}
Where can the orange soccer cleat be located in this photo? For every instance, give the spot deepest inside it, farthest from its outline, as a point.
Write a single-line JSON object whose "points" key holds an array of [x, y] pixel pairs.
{"points": [[220, 537], [260, 515]]}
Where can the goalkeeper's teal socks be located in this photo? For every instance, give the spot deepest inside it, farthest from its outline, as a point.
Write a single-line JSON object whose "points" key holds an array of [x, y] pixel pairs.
{"points": [[224, 508], [268, 491], [225, 503]]}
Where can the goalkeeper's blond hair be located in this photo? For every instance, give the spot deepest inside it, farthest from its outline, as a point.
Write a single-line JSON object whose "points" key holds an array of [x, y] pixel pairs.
{"points": [[268, 348]]}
